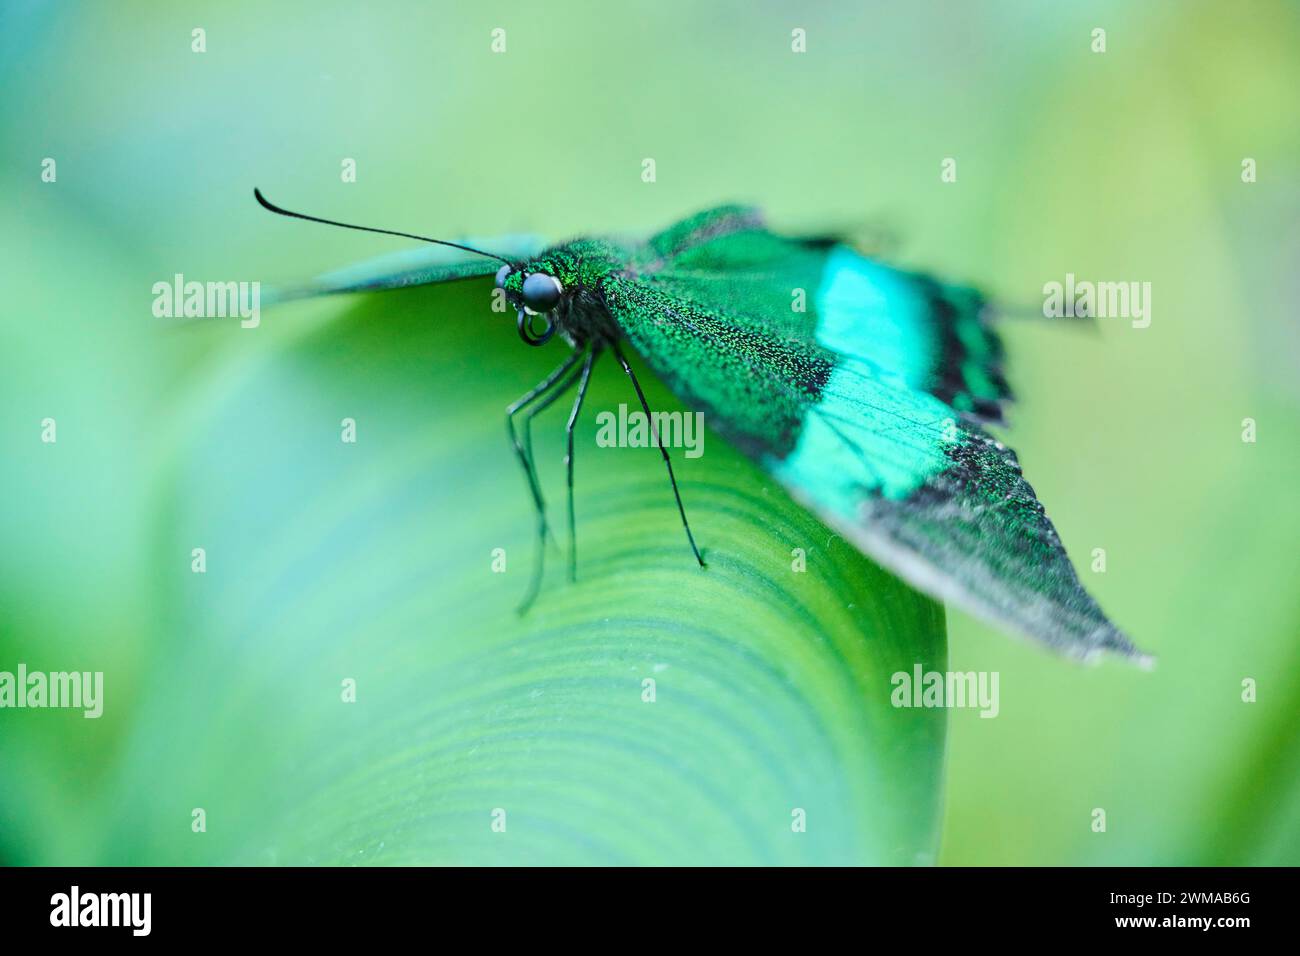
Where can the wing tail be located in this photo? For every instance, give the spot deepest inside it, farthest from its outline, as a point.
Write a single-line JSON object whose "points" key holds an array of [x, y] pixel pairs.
{"points": [[967, 372], [945, 506]]}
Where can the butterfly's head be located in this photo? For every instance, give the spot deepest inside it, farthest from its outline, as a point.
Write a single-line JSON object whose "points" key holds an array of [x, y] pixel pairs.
{"points": [[533, 292]]}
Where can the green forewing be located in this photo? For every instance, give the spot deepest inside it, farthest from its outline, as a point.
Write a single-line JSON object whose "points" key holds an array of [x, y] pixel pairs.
{"points": [[861, 388], [420, 266]]}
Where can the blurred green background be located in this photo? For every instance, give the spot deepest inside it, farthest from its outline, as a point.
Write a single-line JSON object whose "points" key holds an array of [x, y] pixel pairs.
{"points": [[370, 561]]}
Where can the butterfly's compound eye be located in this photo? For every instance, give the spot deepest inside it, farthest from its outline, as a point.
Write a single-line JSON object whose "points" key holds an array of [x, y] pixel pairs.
{"points": [[502, 274], [542, 292]]}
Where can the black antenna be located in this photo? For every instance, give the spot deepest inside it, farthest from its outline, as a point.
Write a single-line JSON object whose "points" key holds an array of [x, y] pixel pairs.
{"points": [[267, 204]]}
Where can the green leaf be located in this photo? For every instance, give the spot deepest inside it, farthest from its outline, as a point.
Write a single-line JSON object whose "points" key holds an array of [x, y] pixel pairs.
{"points": [[372, 562]]}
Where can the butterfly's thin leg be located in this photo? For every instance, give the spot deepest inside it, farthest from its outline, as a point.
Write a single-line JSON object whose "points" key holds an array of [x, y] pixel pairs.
{"points": [[525, 460], [645, 406], [523, 401], [542, 404], [568, 458]]}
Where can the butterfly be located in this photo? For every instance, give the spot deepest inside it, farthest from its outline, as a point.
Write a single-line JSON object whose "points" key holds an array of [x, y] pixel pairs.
{"points": [[865, 390]]}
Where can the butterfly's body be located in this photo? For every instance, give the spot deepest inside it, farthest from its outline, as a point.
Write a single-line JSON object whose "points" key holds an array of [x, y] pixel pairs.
{"points": [[861, 388], [581, 318]]}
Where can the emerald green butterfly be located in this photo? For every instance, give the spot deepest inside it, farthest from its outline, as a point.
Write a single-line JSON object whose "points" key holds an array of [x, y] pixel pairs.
{"points": [[864, 390]]}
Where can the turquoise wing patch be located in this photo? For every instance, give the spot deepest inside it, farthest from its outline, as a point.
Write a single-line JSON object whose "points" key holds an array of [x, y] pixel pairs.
{"points": [[937, 336]]}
